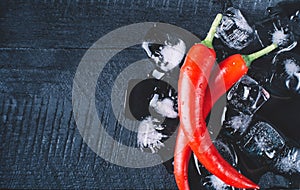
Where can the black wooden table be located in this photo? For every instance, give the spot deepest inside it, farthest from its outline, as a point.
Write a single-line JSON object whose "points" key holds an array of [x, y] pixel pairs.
{"points": [[41, 45]]}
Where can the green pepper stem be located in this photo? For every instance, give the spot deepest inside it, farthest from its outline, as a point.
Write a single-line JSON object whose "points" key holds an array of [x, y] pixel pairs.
{"points": [[260, 53], [210, 35]]}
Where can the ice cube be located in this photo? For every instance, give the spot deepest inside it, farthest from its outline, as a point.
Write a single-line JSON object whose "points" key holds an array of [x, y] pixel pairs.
{"points": [[167, 56], [163, 107], [272, 181], [285, 77], [280, 31], [289, 161], [280, 37], [247, 96], [141, 92], [262, 140], [149, 135], [293, 71], [164, 48], [237, 124], [234, 31]]}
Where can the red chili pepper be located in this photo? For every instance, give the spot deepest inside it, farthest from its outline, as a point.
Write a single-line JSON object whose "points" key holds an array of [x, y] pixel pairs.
{"points": [[192, 86], [231, 70], [182, 155], [228, 72], [223, 77], [195, 81], [182, 150]]}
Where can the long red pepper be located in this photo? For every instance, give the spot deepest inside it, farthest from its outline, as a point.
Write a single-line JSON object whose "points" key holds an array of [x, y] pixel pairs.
{"points": [[229, 72], [182, 149], [192, 83]]}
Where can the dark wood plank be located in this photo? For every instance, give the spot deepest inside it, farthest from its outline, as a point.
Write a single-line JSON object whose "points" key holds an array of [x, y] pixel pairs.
{"points": [[41, 45]]}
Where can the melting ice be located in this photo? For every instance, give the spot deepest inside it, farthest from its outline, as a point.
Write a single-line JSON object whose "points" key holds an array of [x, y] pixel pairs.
{"points": [[247, 96], [148, 134], [234, 31], [167, 56], [164, 107], [289, 163], [263, 139]]}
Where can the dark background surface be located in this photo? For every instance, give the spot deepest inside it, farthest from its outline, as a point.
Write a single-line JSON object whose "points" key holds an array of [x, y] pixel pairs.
{"points": [[41, 45]]}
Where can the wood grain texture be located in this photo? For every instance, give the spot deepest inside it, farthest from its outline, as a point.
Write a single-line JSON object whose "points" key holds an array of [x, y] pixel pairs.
{"points": [[41, 45]]}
